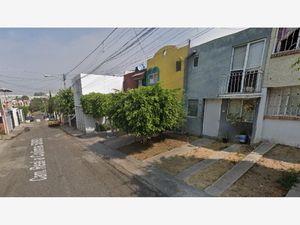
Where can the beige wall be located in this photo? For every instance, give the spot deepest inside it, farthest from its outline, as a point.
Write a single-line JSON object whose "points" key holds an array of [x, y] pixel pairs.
{"points": [[278, 69]]}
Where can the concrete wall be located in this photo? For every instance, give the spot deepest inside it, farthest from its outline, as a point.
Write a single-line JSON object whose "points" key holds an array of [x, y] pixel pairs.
{"points": [[282, 132], [85, 84], [278, 67], [16, 119], [205, 80], [169, 78]]}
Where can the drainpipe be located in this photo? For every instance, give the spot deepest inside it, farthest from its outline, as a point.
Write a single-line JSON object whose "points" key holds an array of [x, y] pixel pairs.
{"points": [[185, 78]]}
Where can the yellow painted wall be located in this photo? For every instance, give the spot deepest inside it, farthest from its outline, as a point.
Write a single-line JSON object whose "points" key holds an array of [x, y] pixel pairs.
{"points": [[278, 69], [169, 78]]}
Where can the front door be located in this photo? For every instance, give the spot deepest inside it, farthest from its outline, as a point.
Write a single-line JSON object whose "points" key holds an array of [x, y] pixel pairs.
{"points": [[211, 120]]}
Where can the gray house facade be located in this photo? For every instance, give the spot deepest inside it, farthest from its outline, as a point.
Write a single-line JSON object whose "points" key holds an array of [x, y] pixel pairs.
{"points": [[223, 84]]}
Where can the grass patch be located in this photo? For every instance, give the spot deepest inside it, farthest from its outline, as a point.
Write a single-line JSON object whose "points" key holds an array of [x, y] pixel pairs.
{"points": [[288, 179]]}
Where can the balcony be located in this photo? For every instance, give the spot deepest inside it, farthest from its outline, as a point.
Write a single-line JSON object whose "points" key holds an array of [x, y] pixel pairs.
{"points": [[241, 84]]}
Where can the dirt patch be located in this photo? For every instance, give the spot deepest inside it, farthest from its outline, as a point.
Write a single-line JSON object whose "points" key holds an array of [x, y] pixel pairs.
{"points": [[175, 164], [262, 179], [157, 145], [210, 174]]}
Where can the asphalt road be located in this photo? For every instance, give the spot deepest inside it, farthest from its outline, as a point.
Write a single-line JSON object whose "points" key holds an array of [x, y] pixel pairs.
{"points": [[46, 162]]}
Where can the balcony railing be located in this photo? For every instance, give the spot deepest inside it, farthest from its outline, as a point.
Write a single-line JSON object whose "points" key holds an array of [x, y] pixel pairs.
{"points": [[239, 82]]}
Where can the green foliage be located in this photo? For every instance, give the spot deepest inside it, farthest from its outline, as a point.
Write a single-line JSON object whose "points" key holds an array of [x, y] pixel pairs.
{"points": [[24, 97], [64, 101], [146, 111], [51, 104], [39, 94], [38, 105], [288, 179], [94, 104], [25, 110], [296, 65]]}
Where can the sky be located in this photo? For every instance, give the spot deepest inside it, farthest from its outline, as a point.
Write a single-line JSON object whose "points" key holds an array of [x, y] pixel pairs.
{"points": [[27, 54]]}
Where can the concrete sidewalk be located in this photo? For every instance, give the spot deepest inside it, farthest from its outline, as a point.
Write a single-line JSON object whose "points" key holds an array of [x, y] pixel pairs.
{"points": [[15, 132], [155, 179], [207, 162]]}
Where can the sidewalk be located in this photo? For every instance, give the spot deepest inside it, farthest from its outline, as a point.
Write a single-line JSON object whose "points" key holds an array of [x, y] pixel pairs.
{"points": [[15, 132], [157, 180]]}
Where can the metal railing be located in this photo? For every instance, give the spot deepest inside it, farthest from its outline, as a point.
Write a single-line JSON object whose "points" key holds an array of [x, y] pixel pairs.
{"points": [[240, 82]]}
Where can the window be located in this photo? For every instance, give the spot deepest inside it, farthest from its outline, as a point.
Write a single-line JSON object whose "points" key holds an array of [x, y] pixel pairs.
{"points": [[284, 101], [178, 65], [153, 78], [196, 59], [245, 66], [193, 107], [241, 110], [287, 39]]}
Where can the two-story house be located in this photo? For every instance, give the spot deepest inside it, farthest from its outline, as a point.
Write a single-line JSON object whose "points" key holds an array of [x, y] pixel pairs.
{"points": [[167, 67], [281, 87], [223, 84]]}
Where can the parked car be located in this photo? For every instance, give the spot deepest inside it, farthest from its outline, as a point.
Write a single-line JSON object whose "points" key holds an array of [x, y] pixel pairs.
{"points": [[53, 122], [29, 118]]}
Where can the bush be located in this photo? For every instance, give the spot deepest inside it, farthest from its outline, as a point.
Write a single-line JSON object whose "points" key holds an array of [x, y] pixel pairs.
{"points": [[146, 111], [94, 104]]}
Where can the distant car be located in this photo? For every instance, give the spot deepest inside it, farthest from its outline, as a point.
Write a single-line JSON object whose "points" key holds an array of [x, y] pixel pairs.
{"points": [[29, 118], [53, 122]]}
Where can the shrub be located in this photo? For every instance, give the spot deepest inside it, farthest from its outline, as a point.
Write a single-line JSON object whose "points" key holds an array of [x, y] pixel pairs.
{"points": [[146, 111], [94, 104]]}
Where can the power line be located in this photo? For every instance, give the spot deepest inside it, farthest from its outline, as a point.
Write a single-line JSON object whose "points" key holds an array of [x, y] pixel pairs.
{"points": [[121, 50], [92, 51]]}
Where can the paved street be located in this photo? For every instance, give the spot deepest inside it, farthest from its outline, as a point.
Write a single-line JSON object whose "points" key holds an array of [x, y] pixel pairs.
{"points": [[62, 168]]}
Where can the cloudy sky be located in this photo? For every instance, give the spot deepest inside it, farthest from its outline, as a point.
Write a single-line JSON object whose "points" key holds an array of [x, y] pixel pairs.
{"points": [[29, 53]]}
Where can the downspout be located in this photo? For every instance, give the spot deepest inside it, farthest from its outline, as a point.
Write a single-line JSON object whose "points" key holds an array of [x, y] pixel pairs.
{"points": [[185, 79]]}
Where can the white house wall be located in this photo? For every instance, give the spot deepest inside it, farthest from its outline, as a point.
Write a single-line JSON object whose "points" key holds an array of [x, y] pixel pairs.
{"points": [[14, 110], [282, 132], [84, 84], [100, 83]]}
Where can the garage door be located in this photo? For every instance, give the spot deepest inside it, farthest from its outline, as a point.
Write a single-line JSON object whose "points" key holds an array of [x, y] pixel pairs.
{"points": [[211, 121]]}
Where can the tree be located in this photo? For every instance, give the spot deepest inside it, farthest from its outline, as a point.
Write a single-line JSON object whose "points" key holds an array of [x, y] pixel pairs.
{"points": [[147, 111], [25, 109], [39, 94], [50, 105], [94, 104], [64, 101], [38, 104], [24, 97]]}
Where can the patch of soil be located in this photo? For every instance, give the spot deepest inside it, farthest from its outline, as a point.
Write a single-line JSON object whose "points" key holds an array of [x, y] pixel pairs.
{"points": [[156, 146], [210, 174], [175, 164], [261, 179]]}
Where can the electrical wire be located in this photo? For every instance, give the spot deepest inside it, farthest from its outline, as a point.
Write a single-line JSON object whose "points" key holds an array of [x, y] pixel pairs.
{"points": [[98, 46]]}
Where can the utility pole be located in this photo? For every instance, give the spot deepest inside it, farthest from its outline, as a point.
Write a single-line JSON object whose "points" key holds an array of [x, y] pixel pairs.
{"points": [[64, 80]]}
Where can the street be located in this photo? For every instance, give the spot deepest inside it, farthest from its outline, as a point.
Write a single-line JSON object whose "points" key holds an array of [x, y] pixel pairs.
{"points": [[46, 162]]}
